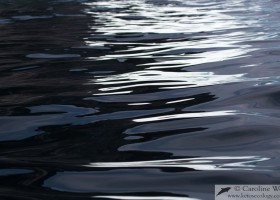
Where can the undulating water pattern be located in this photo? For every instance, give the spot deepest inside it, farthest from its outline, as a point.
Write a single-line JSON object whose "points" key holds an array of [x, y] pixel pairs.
{"points": [[137, 99]]}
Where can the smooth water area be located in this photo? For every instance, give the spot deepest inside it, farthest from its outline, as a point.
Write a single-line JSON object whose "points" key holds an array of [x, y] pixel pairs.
{"points": [[137, 99]]}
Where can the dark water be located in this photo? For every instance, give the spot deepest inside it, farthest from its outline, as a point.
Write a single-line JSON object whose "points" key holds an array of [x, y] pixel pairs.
{"points": [[137, 99]]}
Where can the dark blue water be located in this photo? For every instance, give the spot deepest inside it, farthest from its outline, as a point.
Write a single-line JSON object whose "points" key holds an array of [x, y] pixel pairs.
{"points": [[137, 99]]}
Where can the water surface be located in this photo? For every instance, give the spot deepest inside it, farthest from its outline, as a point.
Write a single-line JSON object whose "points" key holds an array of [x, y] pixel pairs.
{"points": [[137, 99]]}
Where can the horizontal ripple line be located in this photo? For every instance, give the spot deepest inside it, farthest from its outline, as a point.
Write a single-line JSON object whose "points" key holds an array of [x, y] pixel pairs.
{"points": [[188, 115], [203, 163], [145, 197]]}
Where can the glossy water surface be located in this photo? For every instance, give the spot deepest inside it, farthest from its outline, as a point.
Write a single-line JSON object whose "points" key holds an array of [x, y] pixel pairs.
{"points": [[137, 99]]}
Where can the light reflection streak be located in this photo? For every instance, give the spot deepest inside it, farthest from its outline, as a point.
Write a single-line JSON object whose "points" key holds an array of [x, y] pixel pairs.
{"points": [[203, 163], [170, 80], [167, 80], [202, 58], [113, 93], [145, 197], [180, 100], [188, 115], [168, 36], [183, 20], [138, 104]]}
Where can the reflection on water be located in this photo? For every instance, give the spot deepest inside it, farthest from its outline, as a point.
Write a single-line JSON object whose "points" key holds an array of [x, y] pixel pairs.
{"points": [[137, 99], [145, 198], [211, 163], [187, 115], [167, 80]]}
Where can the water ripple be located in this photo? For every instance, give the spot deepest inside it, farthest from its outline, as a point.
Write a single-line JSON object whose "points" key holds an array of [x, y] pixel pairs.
{"points": [[203, 163], [145, 197], [165, 80], [188, 115], [137, 99]]}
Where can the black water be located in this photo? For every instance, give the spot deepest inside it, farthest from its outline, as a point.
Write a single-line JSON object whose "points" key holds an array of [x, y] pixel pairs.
{"points": [[137, 99]]}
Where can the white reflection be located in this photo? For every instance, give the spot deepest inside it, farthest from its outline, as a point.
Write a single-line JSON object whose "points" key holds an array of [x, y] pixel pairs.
{"points": [[182, 27], [146, 197], [203, 163], [112, 93], [202, 58], [138, 104], [180, 100], [188, 115], [171, 34], [166, 80], [183, 14]]}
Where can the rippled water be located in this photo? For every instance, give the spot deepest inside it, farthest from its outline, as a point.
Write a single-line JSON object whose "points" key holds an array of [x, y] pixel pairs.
{"points": [[137, 99]]}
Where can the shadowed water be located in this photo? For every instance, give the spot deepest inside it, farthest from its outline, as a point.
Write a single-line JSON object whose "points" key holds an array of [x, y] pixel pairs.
{"points": [[137, 99]]}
